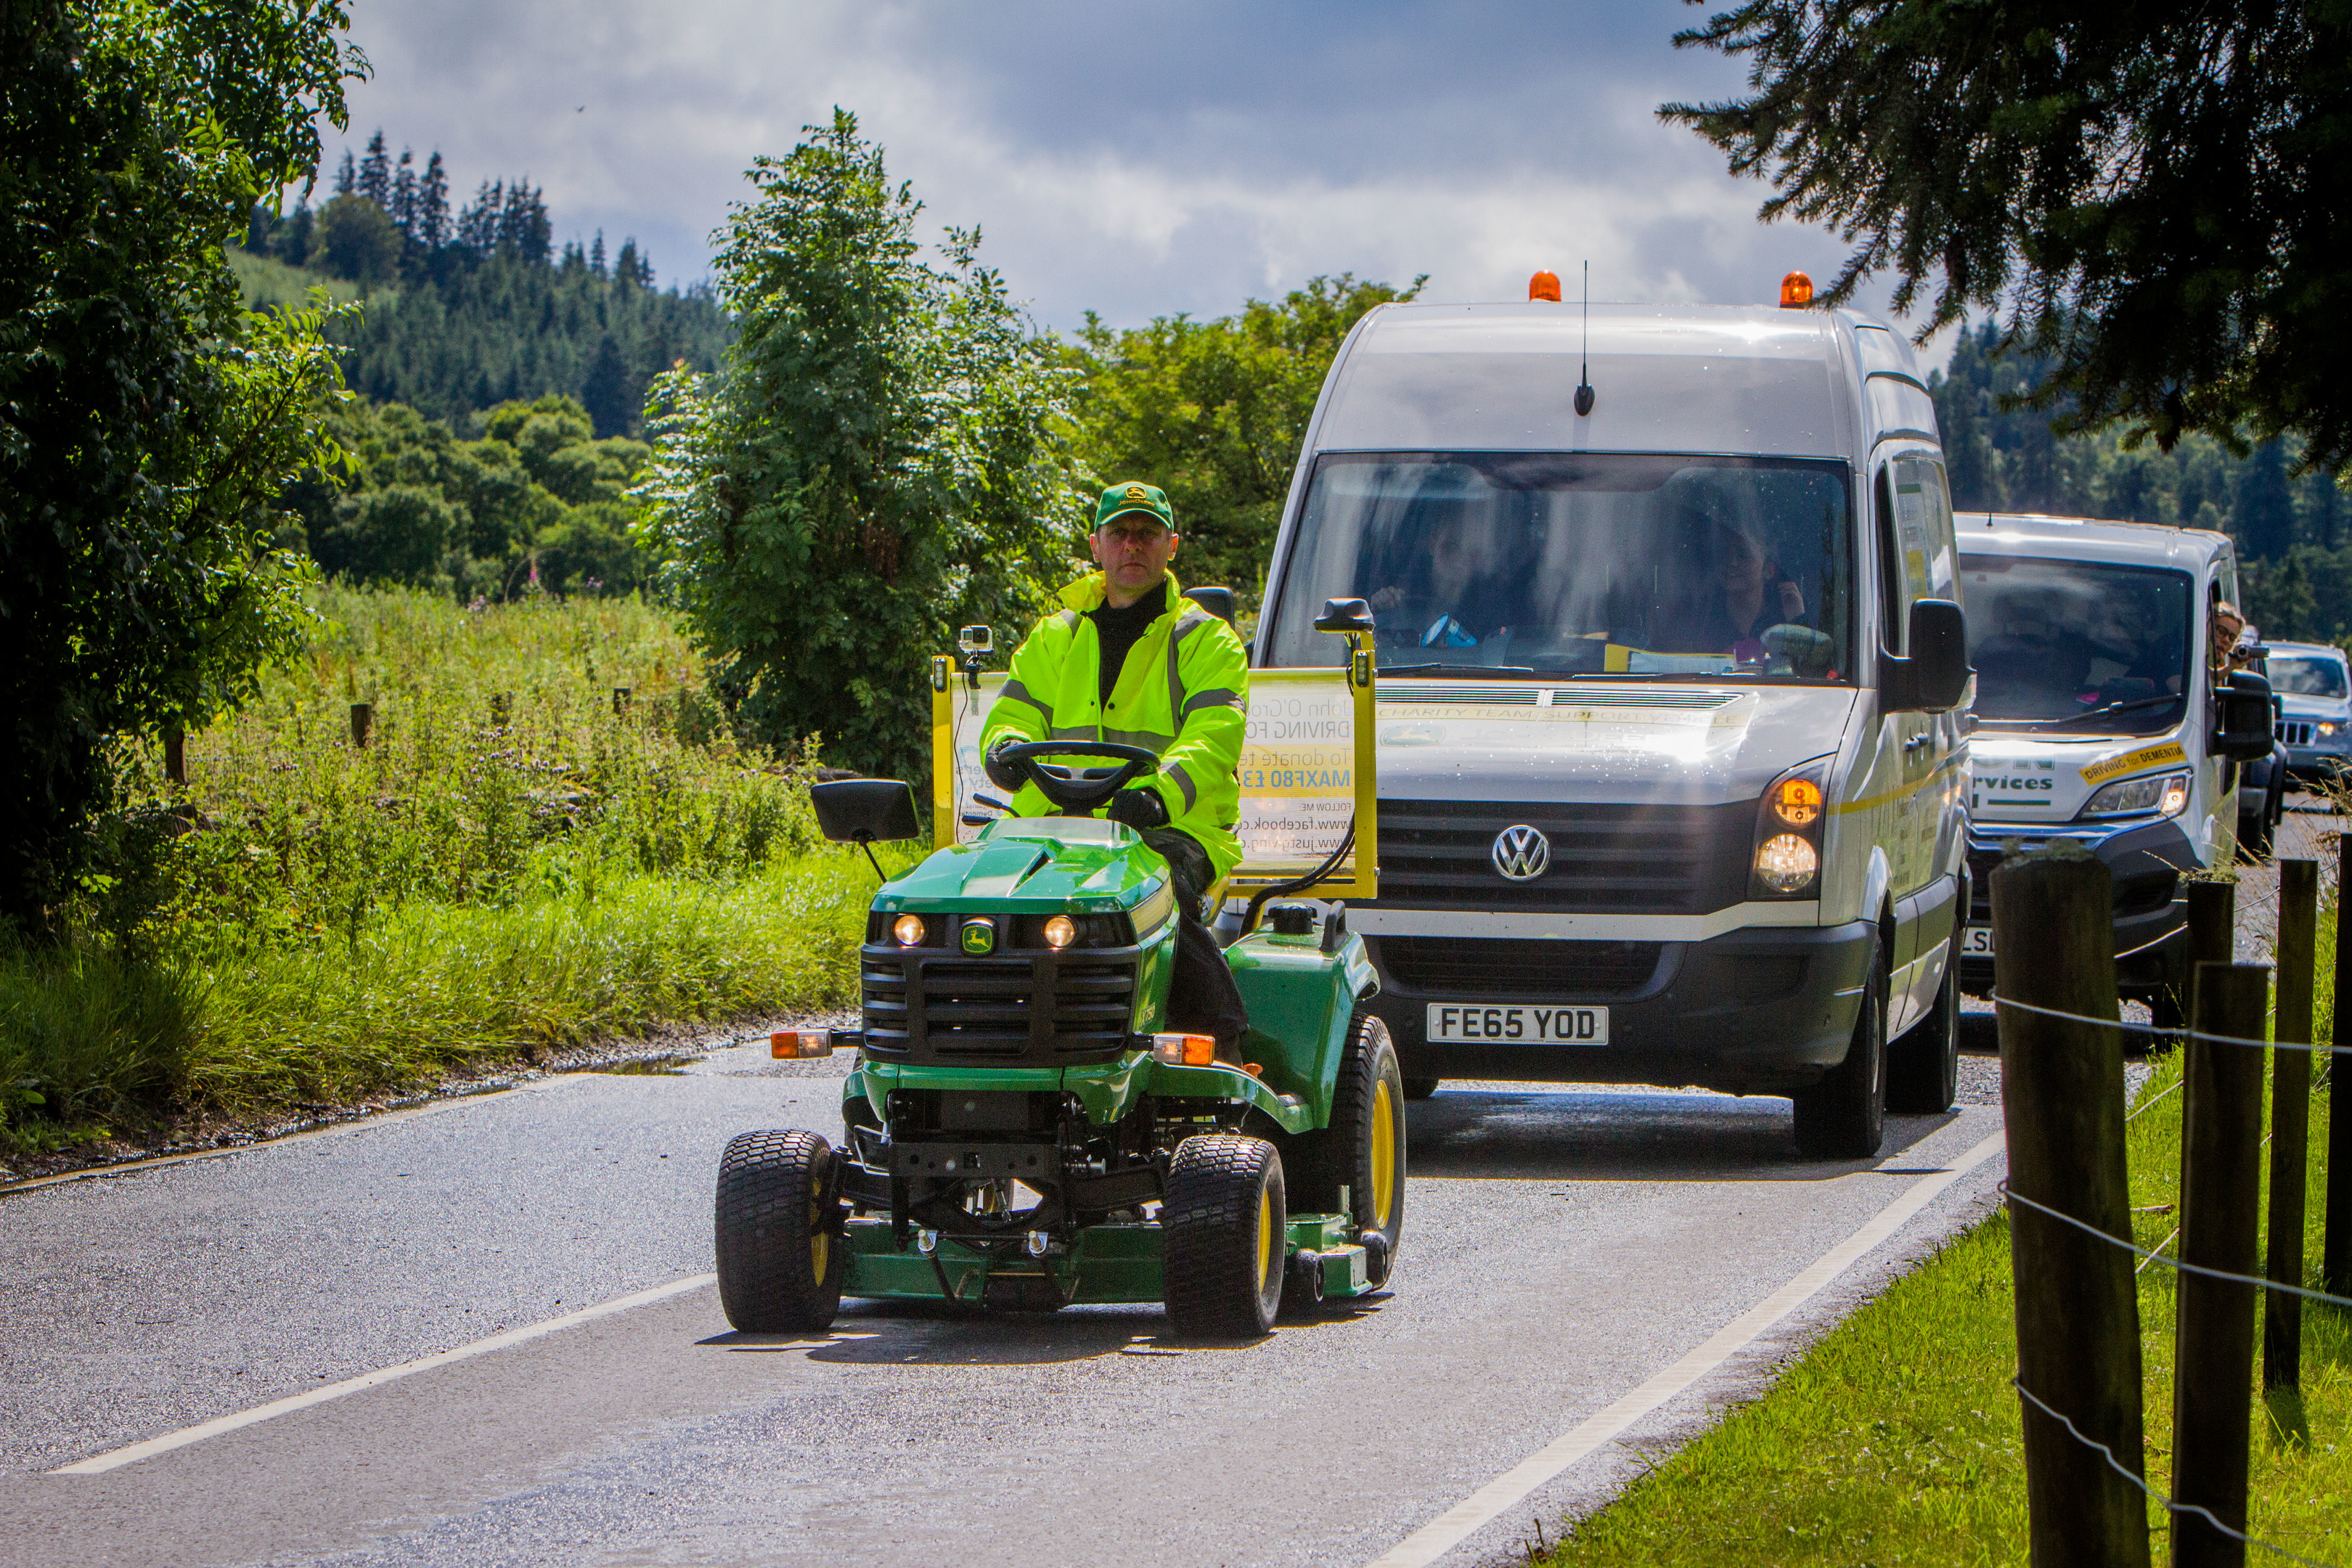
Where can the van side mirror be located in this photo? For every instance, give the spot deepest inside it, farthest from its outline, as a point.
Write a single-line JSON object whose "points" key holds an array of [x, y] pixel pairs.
{"points": [[1345, 616], [1218, 602], [865, 811], [1935, 677], [2245, 721]]}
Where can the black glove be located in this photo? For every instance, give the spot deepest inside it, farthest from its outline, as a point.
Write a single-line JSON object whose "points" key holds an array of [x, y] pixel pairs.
{"points": [[1141, 808], [1004, 775]]}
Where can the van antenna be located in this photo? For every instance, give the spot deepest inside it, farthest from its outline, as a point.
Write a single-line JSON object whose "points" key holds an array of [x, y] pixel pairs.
{"points": [[1584, 358]]}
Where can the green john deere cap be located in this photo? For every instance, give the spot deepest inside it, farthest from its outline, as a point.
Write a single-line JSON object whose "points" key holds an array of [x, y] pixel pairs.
{"points": [[1122, 499]]}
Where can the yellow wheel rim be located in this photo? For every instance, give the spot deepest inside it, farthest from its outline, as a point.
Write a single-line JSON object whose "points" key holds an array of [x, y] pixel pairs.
{"points": [[1384, 1156], [820, 1244], [1265, 1239]]}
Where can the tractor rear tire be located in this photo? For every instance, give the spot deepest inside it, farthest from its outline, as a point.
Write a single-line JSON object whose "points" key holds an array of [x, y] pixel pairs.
{"points": [[1362, 1149], [1225, 1237], [779, 1261]]}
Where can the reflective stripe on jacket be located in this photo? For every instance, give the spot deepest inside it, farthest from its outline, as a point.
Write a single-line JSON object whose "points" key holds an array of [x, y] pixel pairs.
{"points": [[1182, 694]]}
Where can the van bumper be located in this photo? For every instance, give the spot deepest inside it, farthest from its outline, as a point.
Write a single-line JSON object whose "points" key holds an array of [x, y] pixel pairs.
{"points": [[1759, 1011], [2151, 913]]}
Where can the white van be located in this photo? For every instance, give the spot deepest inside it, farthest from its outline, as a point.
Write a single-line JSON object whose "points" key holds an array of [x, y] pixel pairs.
{"points": [[2100, 721], [1672, 789]]}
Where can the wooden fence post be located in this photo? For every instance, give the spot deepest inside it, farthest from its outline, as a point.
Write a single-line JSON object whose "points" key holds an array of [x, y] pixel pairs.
{"points": [[2213, 932], [2062, 1087], [502, 709], [2336, 1248], [175, 756], [2298, 931], [362, 722], [2221, 1175], [620, 701]]}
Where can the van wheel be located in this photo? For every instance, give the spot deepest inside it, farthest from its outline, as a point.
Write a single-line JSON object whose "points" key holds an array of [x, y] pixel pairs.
{"points": [[1225, 1236], [1420, 1087], [1361, 1150], [1923, 1068], [1843, 1117]]}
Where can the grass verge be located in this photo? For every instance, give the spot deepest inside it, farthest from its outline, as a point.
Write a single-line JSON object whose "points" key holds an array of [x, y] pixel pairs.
{"points": [[1895, 1438]]}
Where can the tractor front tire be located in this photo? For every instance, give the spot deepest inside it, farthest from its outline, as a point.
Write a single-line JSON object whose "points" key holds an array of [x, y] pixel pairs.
{"points": [[779, 1261], [1225, 1237], [1362, 1149]]}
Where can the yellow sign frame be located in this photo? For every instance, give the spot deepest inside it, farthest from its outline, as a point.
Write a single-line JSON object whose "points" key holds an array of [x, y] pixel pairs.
{"points": [[958, 699]]}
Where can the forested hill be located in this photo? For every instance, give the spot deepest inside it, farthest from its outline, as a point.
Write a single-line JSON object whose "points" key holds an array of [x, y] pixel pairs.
{"points": [[2294, 533], [473, 307]]}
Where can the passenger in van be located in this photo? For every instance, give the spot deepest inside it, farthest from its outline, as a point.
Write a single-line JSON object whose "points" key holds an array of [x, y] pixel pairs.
{"points": [[1449, 593]]}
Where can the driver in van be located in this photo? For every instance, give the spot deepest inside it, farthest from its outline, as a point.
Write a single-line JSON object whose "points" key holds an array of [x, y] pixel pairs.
{"points": [[1129, 661], [1457, 598], [1746, 594]]}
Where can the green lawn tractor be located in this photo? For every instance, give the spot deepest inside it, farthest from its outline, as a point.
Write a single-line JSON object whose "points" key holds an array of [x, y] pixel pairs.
{"points": [[1024, 1131]]}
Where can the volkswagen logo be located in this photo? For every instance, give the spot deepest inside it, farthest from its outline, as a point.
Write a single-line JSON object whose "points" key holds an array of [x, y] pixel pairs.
{"points": [[1521, 853]]}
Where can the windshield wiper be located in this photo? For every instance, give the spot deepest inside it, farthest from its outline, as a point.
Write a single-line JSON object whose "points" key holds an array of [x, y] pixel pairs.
{"points": [[2063, 718], [1489, 671]]}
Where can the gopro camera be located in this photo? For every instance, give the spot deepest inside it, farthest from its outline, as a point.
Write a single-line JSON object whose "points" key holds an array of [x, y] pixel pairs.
{"points": [[976, 639]]}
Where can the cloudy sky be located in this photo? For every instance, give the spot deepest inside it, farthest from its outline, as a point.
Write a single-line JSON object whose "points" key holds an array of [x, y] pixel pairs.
{"points": [[1136, 160]]}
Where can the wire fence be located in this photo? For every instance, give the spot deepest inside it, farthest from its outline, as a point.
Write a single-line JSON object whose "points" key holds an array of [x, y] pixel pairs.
{"points": [[2175, 1263]]}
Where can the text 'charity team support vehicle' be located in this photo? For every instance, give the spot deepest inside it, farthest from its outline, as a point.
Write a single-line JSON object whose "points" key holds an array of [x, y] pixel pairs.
{"points": [[1672, 785], [2100, 720]]}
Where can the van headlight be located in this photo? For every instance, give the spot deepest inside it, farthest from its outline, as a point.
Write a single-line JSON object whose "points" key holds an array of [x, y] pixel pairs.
{"points": [[2165, 795], [1786, 862]]}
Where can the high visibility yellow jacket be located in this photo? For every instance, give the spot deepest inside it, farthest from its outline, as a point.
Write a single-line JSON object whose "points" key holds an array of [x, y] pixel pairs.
{"points": [[1182, 694]]}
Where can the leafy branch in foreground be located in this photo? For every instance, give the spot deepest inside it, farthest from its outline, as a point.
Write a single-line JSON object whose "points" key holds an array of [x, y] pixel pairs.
{"points": [[2161, 196], [147, 422]]}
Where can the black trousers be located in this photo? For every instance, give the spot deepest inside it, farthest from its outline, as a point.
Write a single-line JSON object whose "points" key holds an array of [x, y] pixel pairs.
{"points": [[1202, 996]]}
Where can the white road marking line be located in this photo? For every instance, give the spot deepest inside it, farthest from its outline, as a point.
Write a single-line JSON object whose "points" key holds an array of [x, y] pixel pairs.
{"points": [[116, 1458], [1457, 1523]]}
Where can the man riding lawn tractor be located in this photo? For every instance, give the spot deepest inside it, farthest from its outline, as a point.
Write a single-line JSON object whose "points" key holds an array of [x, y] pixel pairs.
{"points": [[1065, 1091]]}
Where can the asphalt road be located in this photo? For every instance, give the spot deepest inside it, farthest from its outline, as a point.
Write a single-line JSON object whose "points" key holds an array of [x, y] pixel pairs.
{"points": [[1562, 1247]]}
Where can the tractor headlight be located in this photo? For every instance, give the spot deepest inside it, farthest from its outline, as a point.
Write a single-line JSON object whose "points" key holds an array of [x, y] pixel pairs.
{"points": [[908, 931], [1786, 862], [2166, 794], [1060, 932]]}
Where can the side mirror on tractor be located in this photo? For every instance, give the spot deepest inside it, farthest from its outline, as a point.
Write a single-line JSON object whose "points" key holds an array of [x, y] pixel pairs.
{"points": [[1345, 616], [865, 811], [1934, 677], [2244, 717]]}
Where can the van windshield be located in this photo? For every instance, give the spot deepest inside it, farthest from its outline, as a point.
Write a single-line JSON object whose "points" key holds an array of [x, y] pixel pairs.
{"points": [[2298, 675], [1606, 566], [2077, 645]]}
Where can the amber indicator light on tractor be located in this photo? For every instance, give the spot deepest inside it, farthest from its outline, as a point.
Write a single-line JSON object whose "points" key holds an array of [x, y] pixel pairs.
{"points": [[1796, 291]]}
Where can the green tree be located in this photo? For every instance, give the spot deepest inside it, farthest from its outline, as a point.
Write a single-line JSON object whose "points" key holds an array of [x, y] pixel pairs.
{"points": [[147, 422], [355, 239], [1213, 412], [2161, 196], [873, 469]]}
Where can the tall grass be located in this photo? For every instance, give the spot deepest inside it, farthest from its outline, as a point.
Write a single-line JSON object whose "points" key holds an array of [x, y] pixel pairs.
{"points": [[513, 861]]}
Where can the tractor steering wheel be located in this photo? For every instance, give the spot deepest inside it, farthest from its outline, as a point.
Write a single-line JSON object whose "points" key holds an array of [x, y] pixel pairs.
{"points": [[1078, 791]]}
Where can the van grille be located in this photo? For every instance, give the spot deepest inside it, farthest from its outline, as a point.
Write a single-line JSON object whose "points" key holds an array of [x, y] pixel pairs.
{"points": [[1605, 859], [1481, 966], [940, 1008], [2294, 731]]}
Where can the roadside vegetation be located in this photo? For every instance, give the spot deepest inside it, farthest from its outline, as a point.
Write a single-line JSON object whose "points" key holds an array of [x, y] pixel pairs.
{"points": [[513, 862], [1897, 1438]]}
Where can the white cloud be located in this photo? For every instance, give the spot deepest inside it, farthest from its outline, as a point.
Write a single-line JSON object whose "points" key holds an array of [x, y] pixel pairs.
{"points": [[1133, 160]]}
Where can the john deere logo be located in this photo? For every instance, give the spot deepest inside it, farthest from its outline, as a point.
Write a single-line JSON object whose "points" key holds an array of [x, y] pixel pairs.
{"points": [[979, 936], [1136, 494]]}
